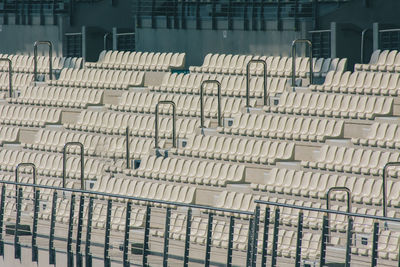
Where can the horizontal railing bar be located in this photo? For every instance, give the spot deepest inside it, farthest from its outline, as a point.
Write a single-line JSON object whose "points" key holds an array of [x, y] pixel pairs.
{"points": [[73, 33], [129, 197], [126, 33], [319, 31], [390, 30], [328, 211]]}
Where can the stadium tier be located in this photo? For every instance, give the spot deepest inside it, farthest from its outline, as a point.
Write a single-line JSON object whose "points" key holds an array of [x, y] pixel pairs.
{"points": [[140, 160]]}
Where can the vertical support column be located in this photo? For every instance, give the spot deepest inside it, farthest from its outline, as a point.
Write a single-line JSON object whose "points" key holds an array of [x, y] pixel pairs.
{"points": [[52, 251], [275, 238], [83, 45], [198, 19], [70, 254], [2, 202], [183, 14], [324, 238], [79, 232], [316, 14], [34, 225], [114, 39], [278, 16], [208, 241], [265, 237], [333, 40], [107, 261], [375, 34], [349, 242], [299, 239], [153, 14], [230, 241], [254, 19], [138, 14], [374, 252], [255, 235], [245, 17], [230, 11], [213, 15], [296, 20], [249, 242], [187, 237], [17, 245], [88, 254], [146, 236], [126, 234], [262, 17], [166, 236]]}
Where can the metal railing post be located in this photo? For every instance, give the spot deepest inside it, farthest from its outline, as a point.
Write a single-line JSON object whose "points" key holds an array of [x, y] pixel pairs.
{"points": [[266, 98], [35, 252], [88, 254], [79, 232], [126, 233], [52, 251], [10, 90], [35, 46], [328, 194], [202, 102], [166, 102], [70, 254], [209, 239], [324, 239], [349, 241], [2, 204], [64, 174], [230, 241], [374, 252], [384, 185], [363, 33], [265, 237], [308, 42], [17, 245], [166, 236], [255, 235], [105, 40], [275, 238], [299, 239], [107, 259], [187, 237], [146, 236]]}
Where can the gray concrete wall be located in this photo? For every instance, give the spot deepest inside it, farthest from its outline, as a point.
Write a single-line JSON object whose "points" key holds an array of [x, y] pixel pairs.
{"points": [[20, 38], [197, 43]]}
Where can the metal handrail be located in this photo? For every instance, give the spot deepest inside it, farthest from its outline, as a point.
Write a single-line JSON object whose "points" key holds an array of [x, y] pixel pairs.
{"points": [[10, 90], [36, 44], [65, 162], [166, 102], [127, 147], [27, 164], [340, 188], [149, 200], [308, 42], [363, 44], [202, 102], [105, 40], [332, 189], [338, 212], [384, 185], [266, 98]]}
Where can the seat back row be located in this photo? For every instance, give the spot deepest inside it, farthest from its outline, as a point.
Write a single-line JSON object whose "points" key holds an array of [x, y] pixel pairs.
{"points": [[276, 66], [382, 135], [50, 164], [145, 189], [139, 61], [108, 79], [376, 83], [352, 160], [9, 134], [59, 96], [284, 127], [230, 85], [237, 149], [189, 171], [186, 105], [386, 60], [139, 125], [333, 105], [25, 63], [94, 144], [28, 116]]}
